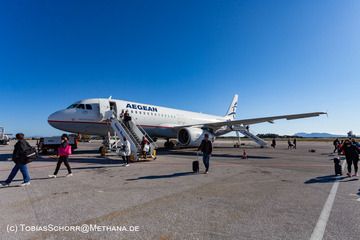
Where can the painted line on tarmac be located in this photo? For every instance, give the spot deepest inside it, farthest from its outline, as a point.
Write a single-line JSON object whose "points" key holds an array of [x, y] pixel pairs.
{"points": [[319, 230]]}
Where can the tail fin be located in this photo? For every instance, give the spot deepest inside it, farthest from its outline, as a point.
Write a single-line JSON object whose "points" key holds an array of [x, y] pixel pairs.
{"points": [[231, 113]]}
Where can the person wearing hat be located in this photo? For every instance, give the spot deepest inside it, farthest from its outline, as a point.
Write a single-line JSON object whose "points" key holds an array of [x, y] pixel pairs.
{"points": [[63, 152]]}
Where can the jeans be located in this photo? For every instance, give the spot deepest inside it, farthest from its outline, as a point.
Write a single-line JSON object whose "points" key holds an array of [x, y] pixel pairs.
{"points": [[206, 161], [23, 169], [62, 159]]}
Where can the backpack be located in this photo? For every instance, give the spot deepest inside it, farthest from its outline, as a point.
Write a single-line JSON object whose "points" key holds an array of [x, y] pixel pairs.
{"points": [[30, 154]]}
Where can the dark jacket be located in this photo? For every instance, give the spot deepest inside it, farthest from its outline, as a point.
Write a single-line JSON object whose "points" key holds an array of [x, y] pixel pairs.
{"points": [[351, 151], [19, 152], [205, 147]]}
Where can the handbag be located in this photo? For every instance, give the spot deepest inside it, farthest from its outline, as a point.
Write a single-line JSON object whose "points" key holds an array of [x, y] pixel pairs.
{"points": [[65, 151]]}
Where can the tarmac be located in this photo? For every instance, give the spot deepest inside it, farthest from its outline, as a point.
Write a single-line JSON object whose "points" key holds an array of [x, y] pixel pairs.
{"points": [[274, 194]]}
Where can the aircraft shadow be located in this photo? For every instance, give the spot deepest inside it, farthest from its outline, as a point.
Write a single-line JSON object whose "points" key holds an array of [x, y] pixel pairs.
{"points": [[5, 157], [169, 152], [72, 159], [325, 179], [151, 177]]}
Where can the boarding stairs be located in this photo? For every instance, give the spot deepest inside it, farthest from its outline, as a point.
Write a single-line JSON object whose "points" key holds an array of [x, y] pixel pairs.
{"points": [[245, 131], [133, 132]]}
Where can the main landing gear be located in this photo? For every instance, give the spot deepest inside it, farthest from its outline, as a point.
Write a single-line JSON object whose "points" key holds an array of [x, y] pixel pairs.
{"points": [[169, 144]]}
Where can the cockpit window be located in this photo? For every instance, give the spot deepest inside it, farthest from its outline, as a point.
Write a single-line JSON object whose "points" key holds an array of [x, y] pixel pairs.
{"points": [[72, 106], [88, 107], [81, 106]]}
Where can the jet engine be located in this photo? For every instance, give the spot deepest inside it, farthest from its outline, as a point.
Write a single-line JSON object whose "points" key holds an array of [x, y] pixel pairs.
{"points": [[192, 136]]}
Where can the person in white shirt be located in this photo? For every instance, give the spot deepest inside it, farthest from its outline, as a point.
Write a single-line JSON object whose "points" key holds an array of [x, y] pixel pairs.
{"points": [[127, 151]]}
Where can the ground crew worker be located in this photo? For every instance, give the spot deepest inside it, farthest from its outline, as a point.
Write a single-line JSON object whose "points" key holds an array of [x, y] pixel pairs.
{"points": [[206, 148]]}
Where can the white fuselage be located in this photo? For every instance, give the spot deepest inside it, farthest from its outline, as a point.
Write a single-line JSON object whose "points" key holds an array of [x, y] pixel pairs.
{"points": [[86, 117]]}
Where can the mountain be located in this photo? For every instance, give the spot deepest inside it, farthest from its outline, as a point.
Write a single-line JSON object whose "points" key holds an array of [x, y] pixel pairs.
{"points": [[318, 135]]}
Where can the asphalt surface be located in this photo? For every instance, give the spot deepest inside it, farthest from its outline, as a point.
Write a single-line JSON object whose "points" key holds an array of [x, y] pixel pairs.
{"points": [[274, 194]]}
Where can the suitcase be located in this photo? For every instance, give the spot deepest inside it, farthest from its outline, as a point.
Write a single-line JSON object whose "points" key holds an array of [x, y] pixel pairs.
{"points": [[195, 166], [337, 166]]}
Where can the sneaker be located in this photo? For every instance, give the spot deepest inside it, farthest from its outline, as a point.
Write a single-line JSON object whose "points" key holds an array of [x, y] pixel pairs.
{"points": [[126, 165], [355, 175], [206, 172], [69, 175], [4, 184], [348, 174], [24, 184], [52, 176]]}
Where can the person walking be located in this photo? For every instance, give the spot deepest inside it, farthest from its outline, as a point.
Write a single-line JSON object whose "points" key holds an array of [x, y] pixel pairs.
{"points": [[206, 149], [21, 160], [126, 147], [63, 152], [352, 156], [294, 143], [336, 144], [127, 119], [290, 145], [122, 114], [273, 143], [145, 147]]}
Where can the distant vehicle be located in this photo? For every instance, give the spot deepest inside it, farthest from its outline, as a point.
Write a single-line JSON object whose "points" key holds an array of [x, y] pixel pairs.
{"points": [[53, 143], [4, 138]]}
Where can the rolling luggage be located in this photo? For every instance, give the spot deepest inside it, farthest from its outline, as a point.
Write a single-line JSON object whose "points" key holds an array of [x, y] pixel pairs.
{"points": [[195, 166], [337, 166]]}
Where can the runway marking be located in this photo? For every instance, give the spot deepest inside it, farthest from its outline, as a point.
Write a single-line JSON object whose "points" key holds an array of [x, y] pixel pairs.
{"points": [[319, 230]]}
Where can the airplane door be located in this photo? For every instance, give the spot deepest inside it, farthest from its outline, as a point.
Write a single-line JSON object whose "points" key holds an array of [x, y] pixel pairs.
{"points": [[104, 107]]}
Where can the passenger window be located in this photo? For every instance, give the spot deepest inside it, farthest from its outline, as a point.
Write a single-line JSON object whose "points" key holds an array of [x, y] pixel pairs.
{"points": [[88, 107]]}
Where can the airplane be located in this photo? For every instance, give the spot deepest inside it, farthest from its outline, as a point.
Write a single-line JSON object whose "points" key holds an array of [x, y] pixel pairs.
{"points": [[88, 117]]}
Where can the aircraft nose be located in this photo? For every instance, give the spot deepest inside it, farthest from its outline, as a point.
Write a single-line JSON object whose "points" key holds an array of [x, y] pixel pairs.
{"points": [[55, 118]]}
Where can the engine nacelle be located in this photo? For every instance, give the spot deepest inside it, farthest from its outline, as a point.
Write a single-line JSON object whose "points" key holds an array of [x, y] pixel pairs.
{"points": [[192, 136]]}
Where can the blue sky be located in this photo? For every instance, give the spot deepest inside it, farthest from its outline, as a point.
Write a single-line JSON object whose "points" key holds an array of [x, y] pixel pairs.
{"points": [[279, 56]]}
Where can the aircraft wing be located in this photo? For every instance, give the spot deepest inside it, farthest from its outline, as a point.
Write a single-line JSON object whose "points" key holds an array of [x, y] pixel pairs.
{"points": [[216, 125]]}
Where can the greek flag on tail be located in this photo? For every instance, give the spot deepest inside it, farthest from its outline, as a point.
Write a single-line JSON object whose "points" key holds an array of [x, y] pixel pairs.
{"points": [[231, 113]]}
